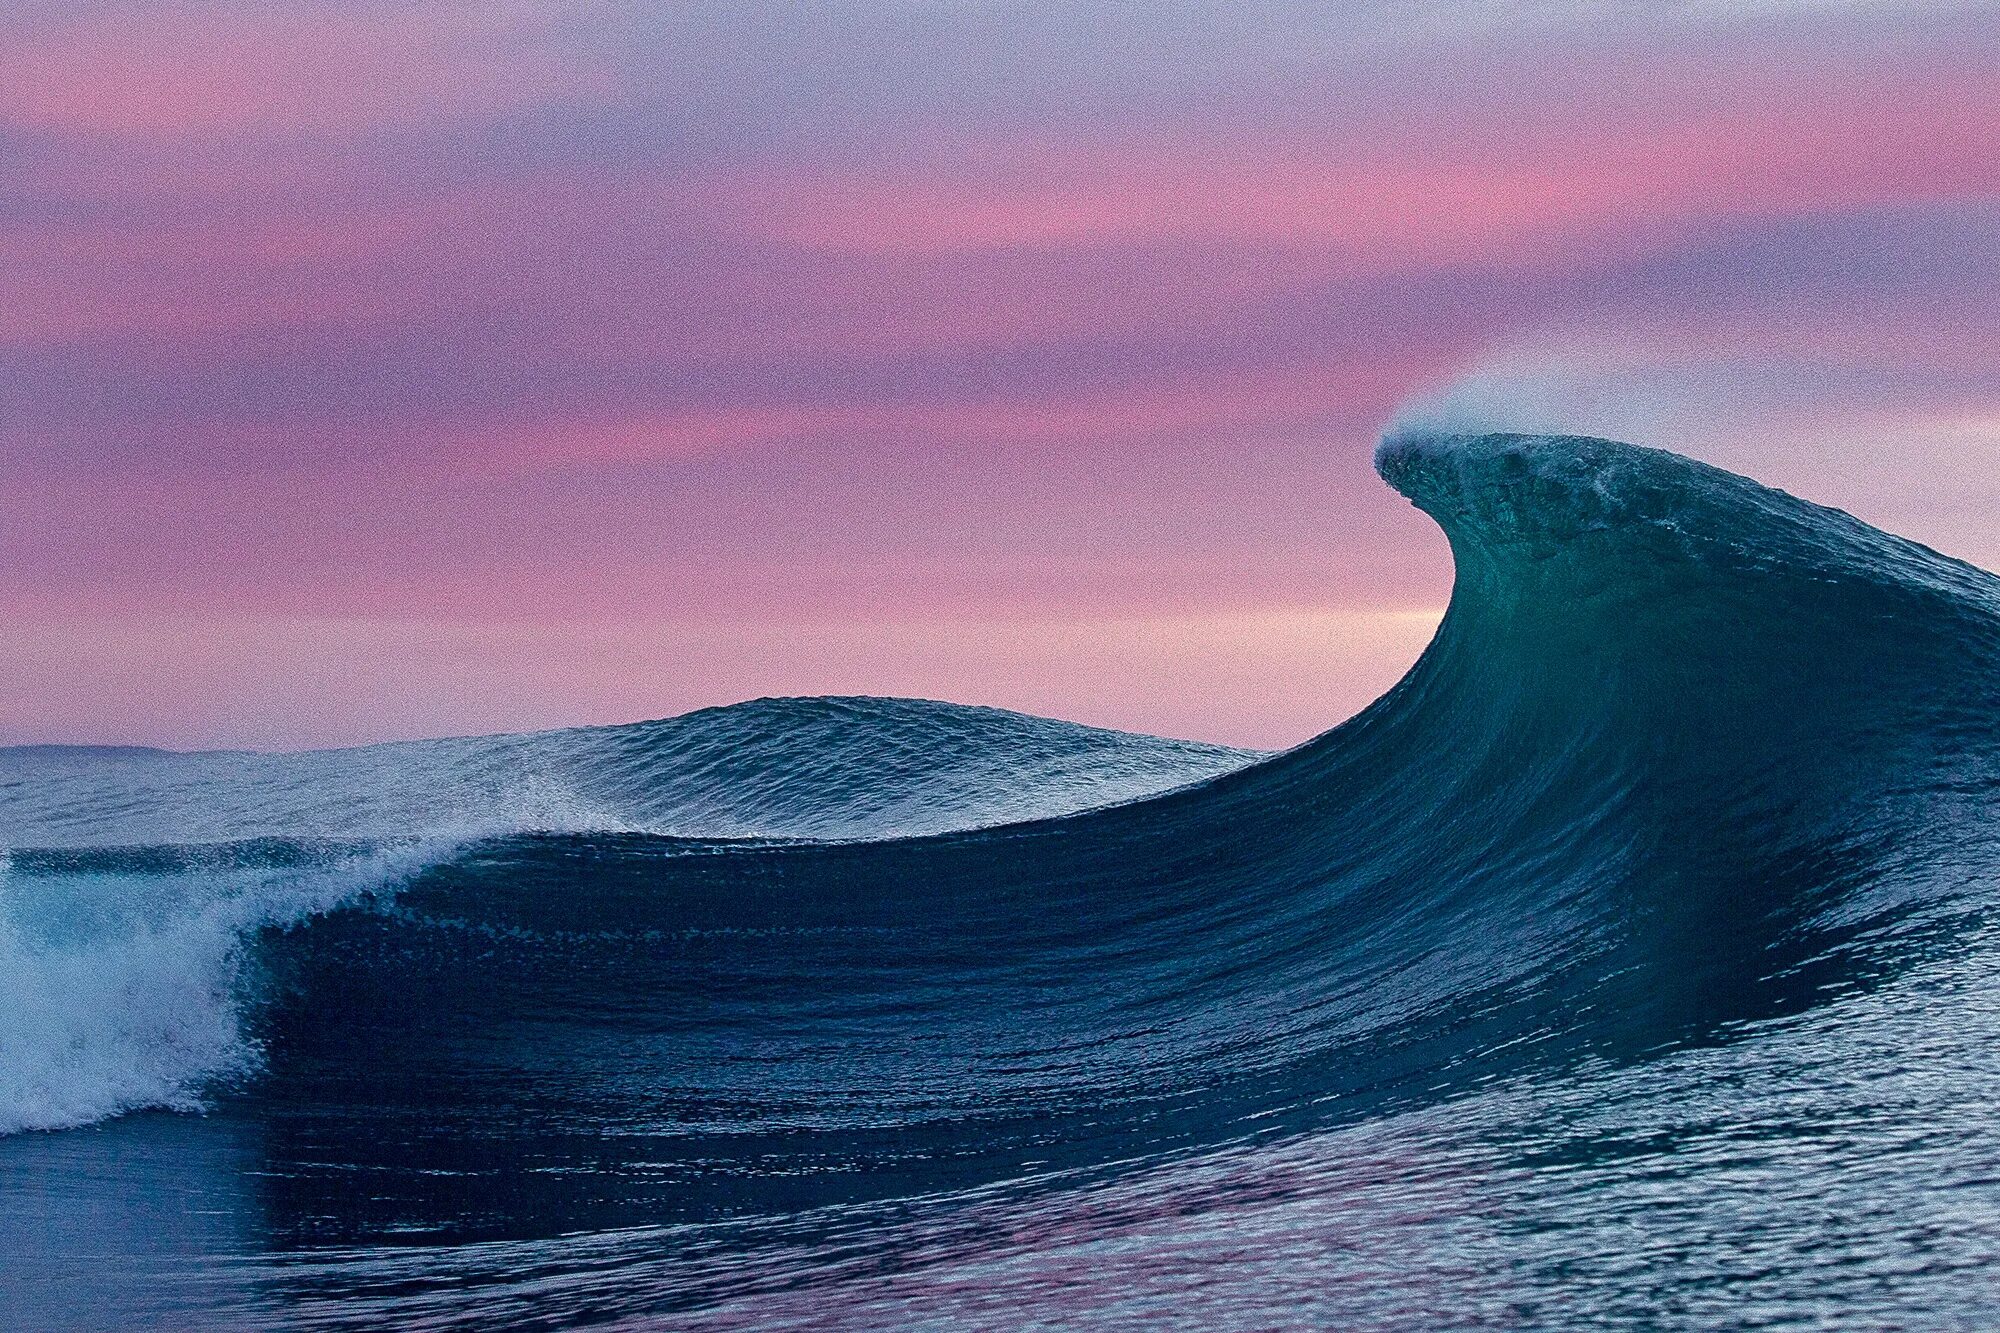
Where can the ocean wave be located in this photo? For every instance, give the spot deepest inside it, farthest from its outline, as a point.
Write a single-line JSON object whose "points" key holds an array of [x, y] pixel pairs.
{"points": [[130, 915], [824, 768], [1686, 755]]}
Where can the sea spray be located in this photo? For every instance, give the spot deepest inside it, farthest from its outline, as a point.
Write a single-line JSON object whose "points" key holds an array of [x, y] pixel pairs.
{"points": [[124, 989]]}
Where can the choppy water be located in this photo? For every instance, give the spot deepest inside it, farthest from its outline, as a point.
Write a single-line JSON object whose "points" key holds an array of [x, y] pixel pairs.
{"points": [[1631, 963]]}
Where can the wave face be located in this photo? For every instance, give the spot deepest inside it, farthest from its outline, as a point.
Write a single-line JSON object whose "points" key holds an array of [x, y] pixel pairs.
{"points": [[1630, 961]]}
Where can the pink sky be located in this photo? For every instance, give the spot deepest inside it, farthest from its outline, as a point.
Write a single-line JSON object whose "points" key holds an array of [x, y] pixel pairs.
{"points": [[378, 370]]}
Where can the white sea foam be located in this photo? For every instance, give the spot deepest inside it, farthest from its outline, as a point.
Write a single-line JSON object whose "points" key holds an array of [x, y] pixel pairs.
{"points": [[124, 992]]}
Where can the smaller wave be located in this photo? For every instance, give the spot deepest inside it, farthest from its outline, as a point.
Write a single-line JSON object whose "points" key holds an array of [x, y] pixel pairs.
{"points": [[140, 878], [123, 977], [832, 769]]}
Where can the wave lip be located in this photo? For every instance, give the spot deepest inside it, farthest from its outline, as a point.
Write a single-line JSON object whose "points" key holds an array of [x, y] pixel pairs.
{"points": [[1506, 493]]}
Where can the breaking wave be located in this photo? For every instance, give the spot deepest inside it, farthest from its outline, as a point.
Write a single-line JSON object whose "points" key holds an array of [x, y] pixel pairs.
{"points": [[1686, 756]]}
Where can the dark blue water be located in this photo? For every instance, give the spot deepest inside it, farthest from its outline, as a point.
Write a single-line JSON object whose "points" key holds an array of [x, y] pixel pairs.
{"points": [[1630, 963]]}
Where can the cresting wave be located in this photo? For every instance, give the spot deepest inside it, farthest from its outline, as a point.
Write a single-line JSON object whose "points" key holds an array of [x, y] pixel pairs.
{"points": [[128, 917], [1687, 757]]}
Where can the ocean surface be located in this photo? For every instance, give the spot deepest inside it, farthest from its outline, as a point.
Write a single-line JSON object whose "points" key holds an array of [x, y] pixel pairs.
{"points": [[1631, 964]]}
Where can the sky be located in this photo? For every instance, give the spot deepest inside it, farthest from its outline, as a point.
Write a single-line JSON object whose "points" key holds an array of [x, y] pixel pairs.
{"points": [[374, 370]]}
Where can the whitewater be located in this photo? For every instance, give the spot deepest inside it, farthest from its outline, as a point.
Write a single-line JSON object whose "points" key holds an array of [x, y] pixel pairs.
{"points": [[1630, 963]]}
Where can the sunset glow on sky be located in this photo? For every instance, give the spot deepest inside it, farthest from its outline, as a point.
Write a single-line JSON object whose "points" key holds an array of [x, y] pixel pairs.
{"points": [[373, 370]]}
